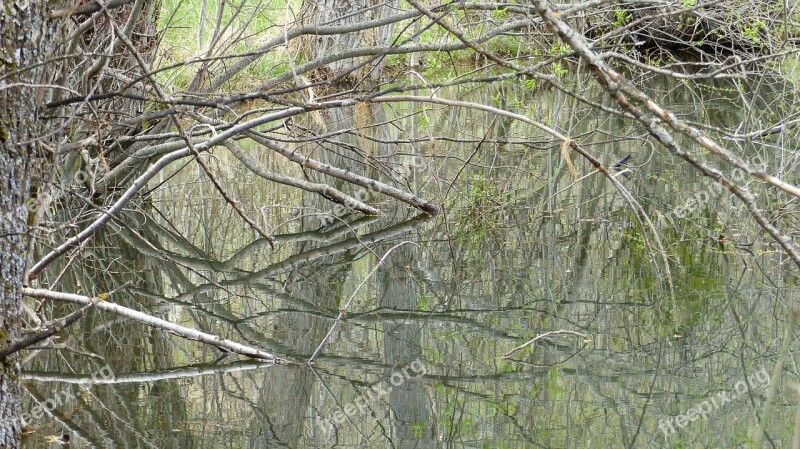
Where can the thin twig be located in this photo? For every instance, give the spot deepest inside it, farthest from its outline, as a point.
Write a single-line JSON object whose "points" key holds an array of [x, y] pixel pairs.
{"points": [[343, 310]]}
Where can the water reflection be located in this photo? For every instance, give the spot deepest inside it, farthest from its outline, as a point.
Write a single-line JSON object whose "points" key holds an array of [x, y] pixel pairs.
{"points": [[520, 249]]}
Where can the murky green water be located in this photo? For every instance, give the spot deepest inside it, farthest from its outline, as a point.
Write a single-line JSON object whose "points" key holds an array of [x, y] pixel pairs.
{"points": [[521, 250]]}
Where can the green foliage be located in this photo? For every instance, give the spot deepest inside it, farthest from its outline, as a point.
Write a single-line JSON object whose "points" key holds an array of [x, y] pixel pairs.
{"points": [[558, 48], [790, 68], [532, 393], [621, 17], [559, 69], [751, 30], [418, 429], [187, 36], [505, 366], [654, 60], [742, 438], [500, 13], [677, 442], [552, 384], [482, 204], [279, 69], [529, 83]]}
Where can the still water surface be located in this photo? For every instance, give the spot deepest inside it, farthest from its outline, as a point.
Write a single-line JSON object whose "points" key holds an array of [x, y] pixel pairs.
{"points": [[418, 360]]}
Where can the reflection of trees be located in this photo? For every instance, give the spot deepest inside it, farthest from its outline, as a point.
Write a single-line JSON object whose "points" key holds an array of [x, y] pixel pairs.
{"points": [[518, 252], [115, 413], [458, 333]]}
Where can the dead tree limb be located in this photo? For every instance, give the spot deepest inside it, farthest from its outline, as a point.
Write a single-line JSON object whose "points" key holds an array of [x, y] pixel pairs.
{"points": [[368, 183], [183, 332], [322, 189]]}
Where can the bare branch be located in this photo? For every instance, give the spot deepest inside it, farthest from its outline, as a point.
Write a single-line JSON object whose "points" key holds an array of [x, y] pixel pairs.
{"points": [[183, 332]]}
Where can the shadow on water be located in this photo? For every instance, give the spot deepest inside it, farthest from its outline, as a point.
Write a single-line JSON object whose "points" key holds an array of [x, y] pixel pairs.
{"points": [[520, 250]]}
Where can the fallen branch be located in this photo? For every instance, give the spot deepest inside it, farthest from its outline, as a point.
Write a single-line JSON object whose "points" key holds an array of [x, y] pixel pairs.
{"points": [[184, 372], [322, 189], [363, 181], [183, 332]]}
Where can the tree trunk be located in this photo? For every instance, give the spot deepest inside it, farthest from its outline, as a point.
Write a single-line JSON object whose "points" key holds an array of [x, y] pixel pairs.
{"points": [[345, 13], [22, 46]]}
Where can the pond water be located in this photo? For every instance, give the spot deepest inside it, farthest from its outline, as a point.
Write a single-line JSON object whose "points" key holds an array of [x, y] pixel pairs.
{"points": [[434, 306]]}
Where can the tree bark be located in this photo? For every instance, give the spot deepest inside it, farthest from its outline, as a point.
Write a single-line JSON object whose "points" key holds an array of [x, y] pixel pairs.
{"points": [[344, 13], [22, 46]]}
